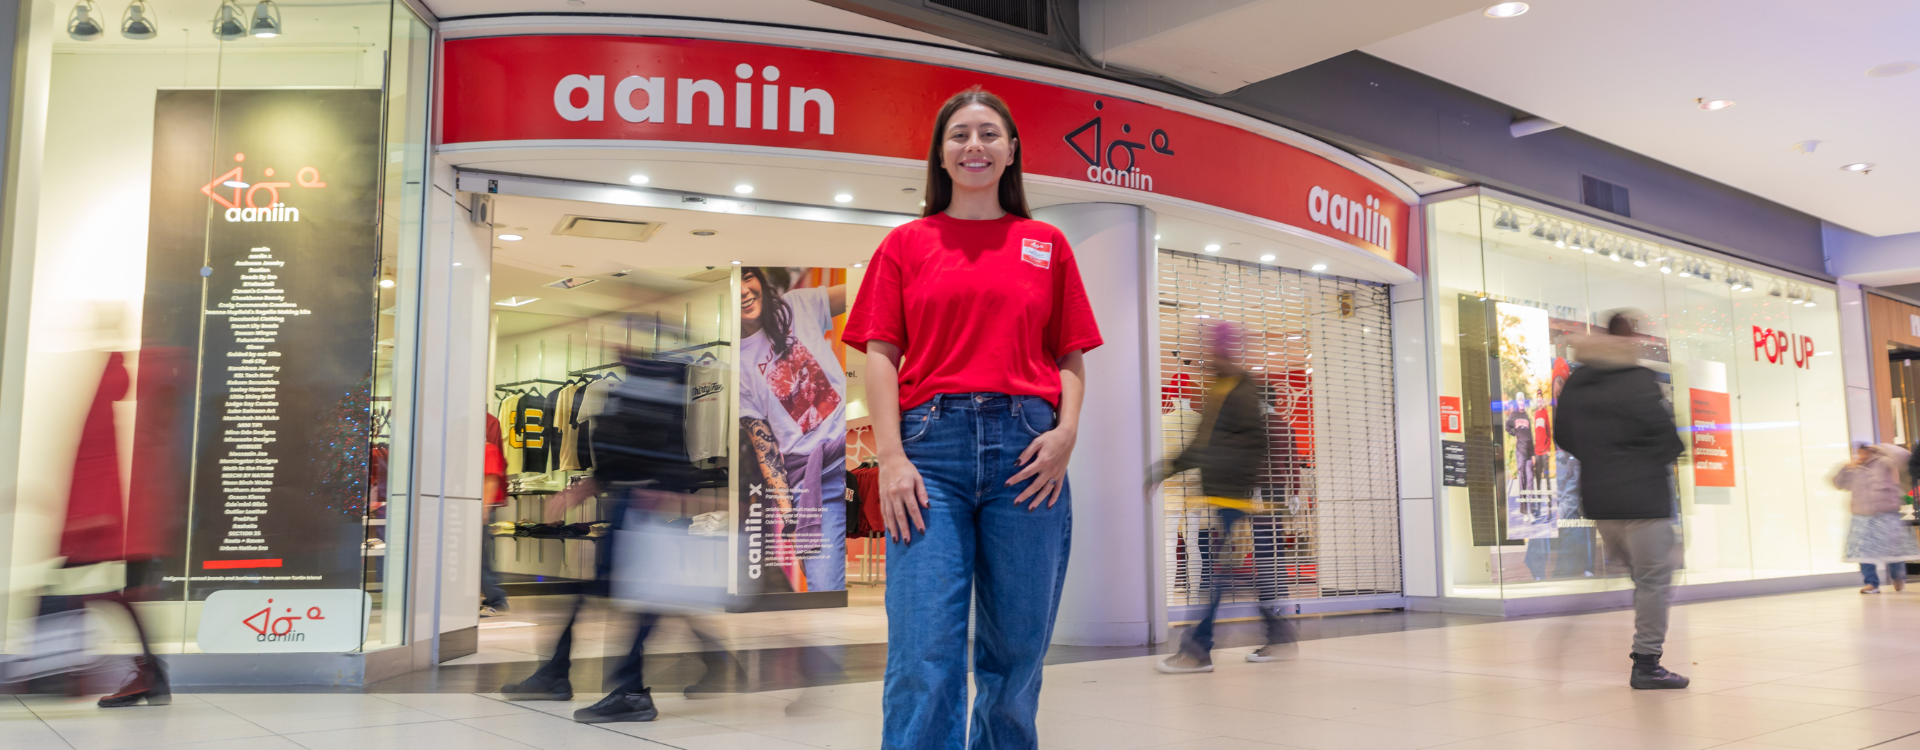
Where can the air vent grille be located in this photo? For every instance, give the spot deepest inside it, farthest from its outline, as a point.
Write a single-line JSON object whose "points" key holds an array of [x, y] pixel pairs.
{"points": [[572, 282], [606, 229], [1604, 195], [1020, 14]]}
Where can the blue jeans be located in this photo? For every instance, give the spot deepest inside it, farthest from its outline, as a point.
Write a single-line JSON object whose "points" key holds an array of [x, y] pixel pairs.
{"points": [[977, 546], [1871, 572], [828, 570]]}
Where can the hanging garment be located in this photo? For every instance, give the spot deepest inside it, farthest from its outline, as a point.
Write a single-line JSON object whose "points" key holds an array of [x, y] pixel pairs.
{"points": [[566, 456], [510, 424], [707, 412], [531, 422]]}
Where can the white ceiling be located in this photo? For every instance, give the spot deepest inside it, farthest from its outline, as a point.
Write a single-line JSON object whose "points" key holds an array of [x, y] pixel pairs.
{"points": [[1222, 45], [1628, 72], [788, 12]]}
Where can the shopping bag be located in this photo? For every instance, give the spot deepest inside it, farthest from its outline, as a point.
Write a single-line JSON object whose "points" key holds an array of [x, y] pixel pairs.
{"points": [[662, 569], [51, 644]]}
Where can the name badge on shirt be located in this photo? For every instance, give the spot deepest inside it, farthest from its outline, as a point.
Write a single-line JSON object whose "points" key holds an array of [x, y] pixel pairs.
{"points": [[1040, 254]]}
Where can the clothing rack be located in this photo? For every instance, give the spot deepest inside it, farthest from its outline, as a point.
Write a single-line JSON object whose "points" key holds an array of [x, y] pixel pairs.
{"points": [[697, 347], [595, 368], [504, 386]]}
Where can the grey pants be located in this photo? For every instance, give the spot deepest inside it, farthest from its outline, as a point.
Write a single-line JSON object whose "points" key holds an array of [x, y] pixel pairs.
{"points": [[1650, 549]]}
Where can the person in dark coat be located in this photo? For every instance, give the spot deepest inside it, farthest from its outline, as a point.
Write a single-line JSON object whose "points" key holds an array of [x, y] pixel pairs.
{"points": [[1612, 418], [1229, 451]]}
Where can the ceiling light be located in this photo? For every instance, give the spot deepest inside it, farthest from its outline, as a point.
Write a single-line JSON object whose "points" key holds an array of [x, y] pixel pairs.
{"points": [[857, 265], [843, 198], [235, 184], [1686, 270], [1319, 266], [736, 262], [1506, 10], [1862, 167], [1213, 248], [743, 189], [139, 21], [388, 283], [1614, 256], [1639, 262], [1711, 105], [703, 232], [1268, 258], [266, 20], [1156, 237], [1889, 70], [81, 24], [638, 179], [1540, 232], [1666, 267], [516, 301], [511, 237], [227, 24]]}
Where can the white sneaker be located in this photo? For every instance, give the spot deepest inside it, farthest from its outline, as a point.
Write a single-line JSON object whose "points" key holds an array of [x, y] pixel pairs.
{"points": [[1274, 652], [1184, 663]]}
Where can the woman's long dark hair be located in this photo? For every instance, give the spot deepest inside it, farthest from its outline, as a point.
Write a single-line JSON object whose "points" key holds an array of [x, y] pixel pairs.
{"points": [[775, 319], [1013, 191]]}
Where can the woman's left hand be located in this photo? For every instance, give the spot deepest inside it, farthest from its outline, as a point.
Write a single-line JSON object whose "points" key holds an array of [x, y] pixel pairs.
{"points": [[1045, 462]]}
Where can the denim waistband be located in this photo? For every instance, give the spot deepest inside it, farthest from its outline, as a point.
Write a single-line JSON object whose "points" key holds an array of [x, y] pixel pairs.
{"points": [[946, 401]]}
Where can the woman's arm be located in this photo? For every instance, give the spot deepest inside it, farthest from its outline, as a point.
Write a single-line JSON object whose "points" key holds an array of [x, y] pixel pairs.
{"points": [[902, 492], [1046, 457], [766, 451]]}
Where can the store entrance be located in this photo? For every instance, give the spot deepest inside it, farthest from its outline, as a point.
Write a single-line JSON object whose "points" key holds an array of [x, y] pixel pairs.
{"points": [[1906, 394], [774, 430]]}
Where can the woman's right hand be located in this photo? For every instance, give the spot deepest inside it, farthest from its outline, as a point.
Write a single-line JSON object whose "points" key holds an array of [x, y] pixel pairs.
{"points": [[902, 494]]}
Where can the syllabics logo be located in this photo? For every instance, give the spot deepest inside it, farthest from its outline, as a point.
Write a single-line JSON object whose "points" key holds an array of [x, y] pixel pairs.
{"points": [[1103, 166], [246, 206]]}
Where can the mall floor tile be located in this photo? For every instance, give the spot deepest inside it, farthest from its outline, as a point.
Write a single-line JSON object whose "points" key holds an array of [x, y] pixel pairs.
{"points": [[1825, 670]]}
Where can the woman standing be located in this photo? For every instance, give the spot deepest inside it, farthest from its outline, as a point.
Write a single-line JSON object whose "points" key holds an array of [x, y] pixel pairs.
{"points": [[1878, 535], [976, 320]]}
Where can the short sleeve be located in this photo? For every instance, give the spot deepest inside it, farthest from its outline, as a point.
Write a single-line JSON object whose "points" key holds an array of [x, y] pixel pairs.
{"points": [[879, 308], [496, 462], [753, 385], [1072, 325]]}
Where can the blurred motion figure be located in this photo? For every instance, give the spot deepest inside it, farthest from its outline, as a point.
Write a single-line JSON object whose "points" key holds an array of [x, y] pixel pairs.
{"points": [[1877, 536], [1229, 451]]}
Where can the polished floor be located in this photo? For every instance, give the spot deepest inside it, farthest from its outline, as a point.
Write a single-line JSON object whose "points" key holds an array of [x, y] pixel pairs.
{"points": [[1829, 669]]}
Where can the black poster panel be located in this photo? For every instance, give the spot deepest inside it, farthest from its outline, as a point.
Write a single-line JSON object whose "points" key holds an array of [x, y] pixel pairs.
{"points": [[261, 264]]}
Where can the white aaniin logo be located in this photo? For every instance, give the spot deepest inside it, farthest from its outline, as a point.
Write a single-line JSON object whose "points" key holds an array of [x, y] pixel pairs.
{"points": [[653, 101], [1360, 218]]}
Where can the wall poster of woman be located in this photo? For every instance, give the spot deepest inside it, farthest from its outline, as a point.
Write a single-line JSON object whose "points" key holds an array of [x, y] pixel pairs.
{"points": [[793, 430]]}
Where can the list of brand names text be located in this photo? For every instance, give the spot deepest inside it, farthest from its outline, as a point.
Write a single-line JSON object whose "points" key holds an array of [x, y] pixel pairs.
{"points": [[255, 312]]}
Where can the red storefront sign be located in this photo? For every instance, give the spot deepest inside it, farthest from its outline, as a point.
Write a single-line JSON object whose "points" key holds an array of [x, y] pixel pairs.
{"points": [[626, 88]]}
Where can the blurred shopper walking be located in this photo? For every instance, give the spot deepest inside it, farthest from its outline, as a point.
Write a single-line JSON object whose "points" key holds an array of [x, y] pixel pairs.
{"points": [[975, 320], [1878, 535], [640, 461], [1612, 418], [1229, 451]]}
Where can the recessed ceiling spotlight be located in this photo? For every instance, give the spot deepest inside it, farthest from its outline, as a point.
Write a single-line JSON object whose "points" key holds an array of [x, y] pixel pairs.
{"points": [[703, 232], [1268, 258], [1862, 167], [857, 265], [1213, 248], [638, 179], [511, 237], [1506, 10], [1319, 266], [1711, 105], [1156, 238], [1889, 70], [736, 262], [909, 191], [843, 198], [743, 189]]}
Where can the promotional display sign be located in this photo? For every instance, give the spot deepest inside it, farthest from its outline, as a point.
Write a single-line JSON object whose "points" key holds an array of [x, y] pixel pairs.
{"points": [[260, 287], [1453, 463], [284, 621], [793, 432], [1525, 382], [629, 88], [1450, 414], [1712, 429]]}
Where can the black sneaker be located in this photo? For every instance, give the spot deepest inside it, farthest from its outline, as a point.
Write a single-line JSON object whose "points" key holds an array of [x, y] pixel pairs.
{"points": [[1649, 675], [619, 706], [539, 687]]}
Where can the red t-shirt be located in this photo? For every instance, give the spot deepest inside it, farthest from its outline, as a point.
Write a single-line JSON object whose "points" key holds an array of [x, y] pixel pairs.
{"points": [[495, 463], [975, 307]]}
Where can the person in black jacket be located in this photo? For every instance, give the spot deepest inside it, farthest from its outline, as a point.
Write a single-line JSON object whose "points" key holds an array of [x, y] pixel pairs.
{"points": [[1612, 418], [1229, 451]]}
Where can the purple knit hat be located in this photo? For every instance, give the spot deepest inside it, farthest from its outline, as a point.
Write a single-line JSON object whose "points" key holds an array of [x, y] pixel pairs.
{"points": [[1223, 338]]}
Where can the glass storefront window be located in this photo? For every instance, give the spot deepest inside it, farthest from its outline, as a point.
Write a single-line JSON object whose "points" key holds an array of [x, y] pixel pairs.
{"points": [[226, 266], [1748, 359]]}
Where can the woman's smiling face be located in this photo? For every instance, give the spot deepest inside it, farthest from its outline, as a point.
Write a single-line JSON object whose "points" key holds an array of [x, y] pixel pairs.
{"points": [[750, 293], [977, 148]]}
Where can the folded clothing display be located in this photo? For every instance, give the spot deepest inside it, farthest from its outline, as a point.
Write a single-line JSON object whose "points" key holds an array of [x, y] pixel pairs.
{"points": [[584, 530]]}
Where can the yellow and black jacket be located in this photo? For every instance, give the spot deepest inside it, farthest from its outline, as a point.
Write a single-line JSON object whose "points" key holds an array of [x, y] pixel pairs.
{"points": [[1231, 445]]}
